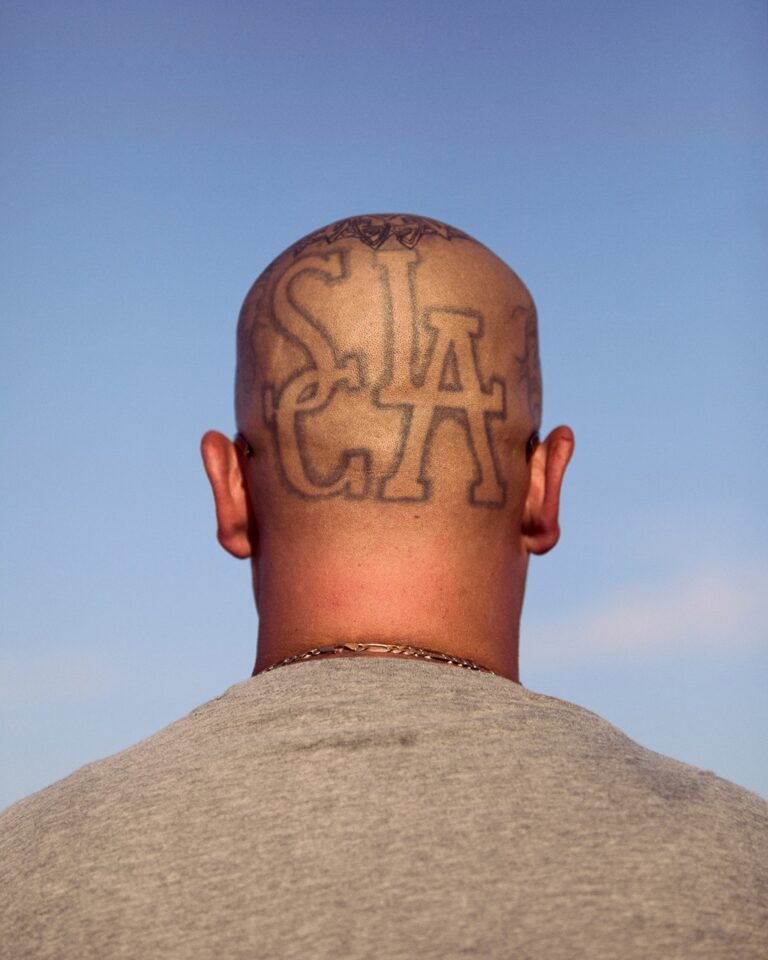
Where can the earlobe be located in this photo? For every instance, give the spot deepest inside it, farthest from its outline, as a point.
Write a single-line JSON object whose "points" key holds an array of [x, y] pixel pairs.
{"points": [[224, 469], [540, 525]]}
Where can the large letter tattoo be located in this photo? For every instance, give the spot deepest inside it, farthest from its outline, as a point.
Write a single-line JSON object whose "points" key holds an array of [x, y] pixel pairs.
{"points": [[431, 373], [312, 388], [430, 383]]}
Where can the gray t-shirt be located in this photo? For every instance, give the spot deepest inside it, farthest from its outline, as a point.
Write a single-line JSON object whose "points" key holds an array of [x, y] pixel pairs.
{"points": [[390, 809]]}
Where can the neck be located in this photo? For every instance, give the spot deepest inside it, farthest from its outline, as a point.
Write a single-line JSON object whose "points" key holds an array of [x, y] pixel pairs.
{"points": [[464, 606]]}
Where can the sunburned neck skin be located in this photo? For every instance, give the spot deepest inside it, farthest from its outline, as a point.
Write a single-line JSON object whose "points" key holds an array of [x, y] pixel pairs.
{"points": [[421, 595], [383, 483]]}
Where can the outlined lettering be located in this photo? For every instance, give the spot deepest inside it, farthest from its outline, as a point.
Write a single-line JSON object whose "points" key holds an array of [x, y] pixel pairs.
{"points": [[431, 373]]}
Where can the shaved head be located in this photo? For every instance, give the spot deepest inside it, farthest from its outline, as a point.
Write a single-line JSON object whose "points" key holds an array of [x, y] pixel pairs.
{"points": [[387, 482], [389, 361]]}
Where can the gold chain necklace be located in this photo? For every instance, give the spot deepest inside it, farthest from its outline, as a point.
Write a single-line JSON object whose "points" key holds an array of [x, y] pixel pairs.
{"points": [[406, 651]]}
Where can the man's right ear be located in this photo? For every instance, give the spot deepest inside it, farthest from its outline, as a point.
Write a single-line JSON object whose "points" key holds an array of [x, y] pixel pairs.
{"points": [[223, 465], [541, 525]]}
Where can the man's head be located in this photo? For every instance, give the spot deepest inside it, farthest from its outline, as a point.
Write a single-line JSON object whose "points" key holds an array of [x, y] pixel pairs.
{"points": [[388, 401]]}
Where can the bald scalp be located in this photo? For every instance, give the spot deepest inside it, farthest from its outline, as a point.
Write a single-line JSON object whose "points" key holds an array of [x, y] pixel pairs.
{"points": [[388, 361]]}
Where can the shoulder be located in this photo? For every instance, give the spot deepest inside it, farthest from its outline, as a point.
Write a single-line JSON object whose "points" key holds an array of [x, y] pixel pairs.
{"points": [[95, 793], [662, 797]]}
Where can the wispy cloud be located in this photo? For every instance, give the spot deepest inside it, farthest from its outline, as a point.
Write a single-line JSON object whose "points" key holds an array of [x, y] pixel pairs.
{"points": [[705, 609]]}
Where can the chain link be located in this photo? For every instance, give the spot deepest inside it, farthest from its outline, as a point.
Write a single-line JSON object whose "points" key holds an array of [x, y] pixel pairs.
{"points": [[402, 649]]}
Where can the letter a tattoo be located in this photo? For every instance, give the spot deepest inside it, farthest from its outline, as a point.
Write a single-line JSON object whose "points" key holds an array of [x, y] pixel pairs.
{"points": [[431, 373]]}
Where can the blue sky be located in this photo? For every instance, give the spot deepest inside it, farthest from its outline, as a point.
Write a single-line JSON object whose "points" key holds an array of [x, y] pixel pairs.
{"points": [[156, 156]]}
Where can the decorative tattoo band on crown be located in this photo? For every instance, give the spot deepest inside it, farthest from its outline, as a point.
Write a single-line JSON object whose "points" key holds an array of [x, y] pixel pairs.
{"points": [[375, 229], [431, 373]]}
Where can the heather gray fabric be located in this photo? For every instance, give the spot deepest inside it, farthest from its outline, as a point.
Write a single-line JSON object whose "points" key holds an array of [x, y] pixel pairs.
{"points": [[389, 809]]}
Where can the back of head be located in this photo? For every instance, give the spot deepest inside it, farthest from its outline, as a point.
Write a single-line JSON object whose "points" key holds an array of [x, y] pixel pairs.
{"points": [[388, 483], [388, 382]]}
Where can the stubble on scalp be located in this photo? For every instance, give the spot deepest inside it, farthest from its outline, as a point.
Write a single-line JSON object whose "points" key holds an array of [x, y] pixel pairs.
{"points": [[390, 360]]}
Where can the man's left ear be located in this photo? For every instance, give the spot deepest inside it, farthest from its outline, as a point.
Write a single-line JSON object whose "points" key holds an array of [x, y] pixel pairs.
{"points": [[225, 474], [541, 524]]}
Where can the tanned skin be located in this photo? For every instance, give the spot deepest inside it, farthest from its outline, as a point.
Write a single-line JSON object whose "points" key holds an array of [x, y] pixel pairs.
{"points": [[387, 483]]}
